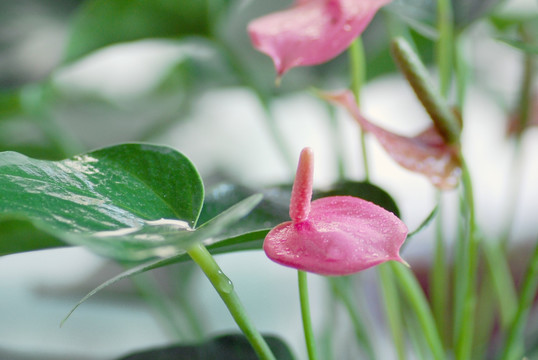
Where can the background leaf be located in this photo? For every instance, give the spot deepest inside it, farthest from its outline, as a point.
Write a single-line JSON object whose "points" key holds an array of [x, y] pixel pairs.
{"points": [[221, 348], [104, 22], [17, 235], [363, 190]]}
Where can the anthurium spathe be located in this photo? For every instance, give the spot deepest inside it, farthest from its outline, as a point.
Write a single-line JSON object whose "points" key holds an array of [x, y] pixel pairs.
{"points": [[426, 153], [337, 235], [311, 32]]}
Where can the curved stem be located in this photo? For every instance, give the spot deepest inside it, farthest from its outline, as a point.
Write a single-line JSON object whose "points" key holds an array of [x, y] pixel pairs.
{"points": [[465, 302], [225, 289], [417, 300], [513, 348], [358, 75], [444, 45], [305, 313], [392, 309], [341, 288]]}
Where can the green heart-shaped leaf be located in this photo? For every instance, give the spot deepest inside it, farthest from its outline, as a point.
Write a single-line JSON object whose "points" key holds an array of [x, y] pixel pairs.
{"points": [[129, 201]]}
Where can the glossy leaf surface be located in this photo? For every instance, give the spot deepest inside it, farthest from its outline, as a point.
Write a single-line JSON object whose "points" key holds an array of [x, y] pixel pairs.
{"points": [[221, 348], [275, 199], [127, 201]]}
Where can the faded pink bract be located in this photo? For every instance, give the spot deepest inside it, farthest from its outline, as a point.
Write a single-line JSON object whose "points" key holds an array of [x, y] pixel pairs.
{"points": [[426, 153], [312, 31], [337, 235]]}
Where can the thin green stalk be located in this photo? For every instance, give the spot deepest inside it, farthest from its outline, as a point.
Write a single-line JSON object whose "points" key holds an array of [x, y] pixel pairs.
{"points": [[357, 61], [341, 288], [445, 43], [225, 289], [392, 309], [417, 75], [337, 144], [525, 95], [184, 276], [417, 300], [439, 279], [513, 348], [154, 296], [305, 313], [461, 69], [274, 131], [464, 311]]}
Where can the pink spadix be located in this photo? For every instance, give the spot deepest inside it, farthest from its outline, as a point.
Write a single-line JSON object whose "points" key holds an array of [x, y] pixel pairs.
{"points": [[337, 235], [311, 32]]}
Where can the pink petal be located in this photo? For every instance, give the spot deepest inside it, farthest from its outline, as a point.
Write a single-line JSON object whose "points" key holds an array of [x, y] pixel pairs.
{"points": [[425, 153], [342, 235], [312, 31]]}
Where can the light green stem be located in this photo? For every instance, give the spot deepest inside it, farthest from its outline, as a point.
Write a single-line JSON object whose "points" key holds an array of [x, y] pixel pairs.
{"points": [[439, 279], [392, 308], [358, 75], [445, 43], [415, 296], [225, 289], [341, 288], [513, 348], [305, 313], [417, 75], [465, 284]]}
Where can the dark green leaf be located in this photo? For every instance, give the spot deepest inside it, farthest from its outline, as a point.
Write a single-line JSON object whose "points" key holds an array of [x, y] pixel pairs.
{"points": [[130, 201], [208, 232], [18, 235], [224, 347], [104, 22], [468, 11], [363, 190], [271, 211]]}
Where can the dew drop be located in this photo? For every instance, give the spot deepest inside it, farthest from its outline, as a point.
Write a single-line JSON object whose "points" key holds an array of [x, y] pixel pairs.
{"points": [[223, 283]]}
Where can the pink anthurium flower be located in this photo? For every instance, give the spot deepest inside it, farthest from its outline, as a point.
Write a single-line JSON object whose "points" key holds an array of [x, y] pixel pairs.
{"points": [[311, 32], [426, 153], [337, 235]]}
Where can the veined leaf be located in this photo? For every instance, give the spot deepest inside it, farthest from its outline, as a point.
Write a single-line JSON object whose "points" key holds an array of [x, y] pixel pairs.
{"points": [[128, 202]]}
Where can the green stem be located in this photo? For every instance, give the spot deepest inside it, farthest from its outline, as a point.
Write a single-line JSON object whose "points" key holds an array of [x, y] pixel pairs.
{"points": [[392, 309], [513, 348], [465, 290], [418, 77], [444, 44], [225, 289], [439, 279], [337, 144], [341, 288], [357, 61], [411, 289], [154, 296], [525, 95], [274, 132], [305, 313]]}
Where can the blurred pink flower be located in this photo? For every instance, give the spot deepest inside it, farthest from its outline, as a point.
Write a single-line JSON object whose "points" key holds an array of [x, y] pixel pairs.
{"points": [[337, 235], [311, 31], [425, 153]]}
